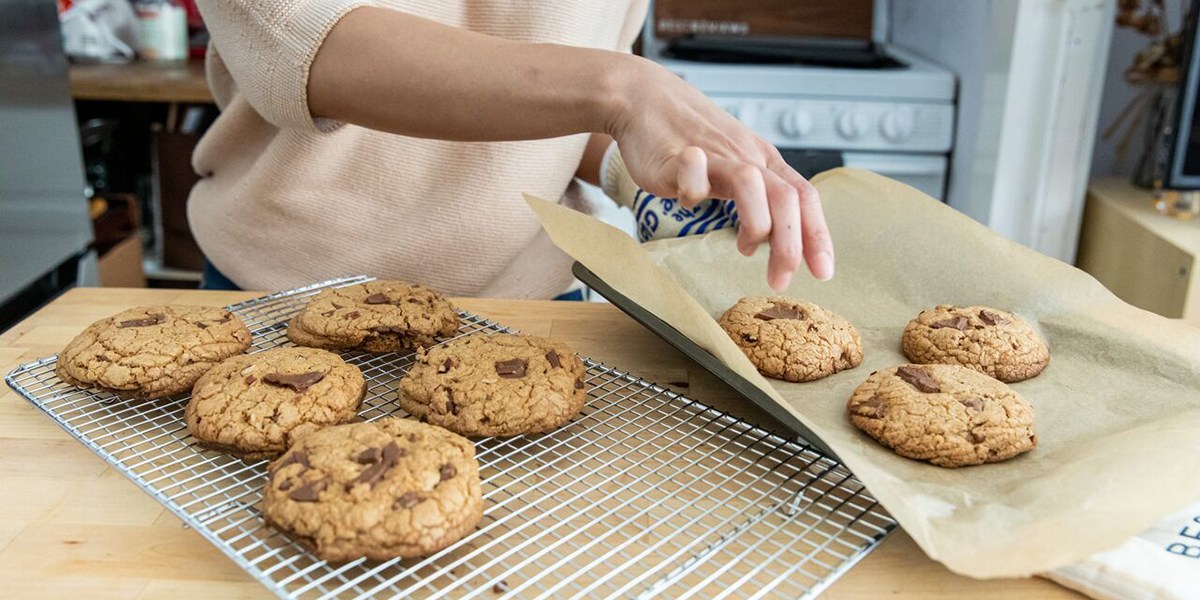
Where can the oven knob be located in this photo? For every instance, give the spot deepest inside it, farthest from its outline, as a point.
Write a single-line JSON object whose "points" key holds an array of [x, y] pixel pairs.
{"points": [[897, 125], [795, 123], [851, 124]]}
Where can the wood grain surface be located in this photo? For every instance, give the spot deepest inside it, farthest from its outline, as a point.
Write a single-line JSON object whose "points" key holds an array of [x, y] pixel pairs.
{"points": [[141, 82], [70, 526]]}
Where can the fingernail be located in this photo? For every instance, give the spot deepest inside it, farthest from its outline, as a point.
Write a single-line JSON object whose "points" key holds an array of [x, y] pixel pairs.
{"points": [[780, 283], [823, 266]]}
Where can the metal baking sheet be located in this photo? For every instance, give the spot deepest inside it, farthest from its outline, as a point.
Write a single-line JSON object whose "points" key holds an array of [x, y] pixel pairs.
{"points": [[646, 494], [672, 336]]}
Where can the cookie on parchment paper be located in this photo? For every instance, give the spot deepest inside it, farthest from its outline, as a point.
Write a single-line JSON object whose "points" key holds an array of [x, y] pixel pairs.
{"points": [[792, 340], [948, 415], [991, 341]]}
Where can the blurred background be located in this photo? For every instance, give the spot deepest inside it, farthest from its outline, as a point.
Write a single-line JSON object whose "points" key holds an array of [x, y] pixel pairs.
{"points": [[1064, 125]]}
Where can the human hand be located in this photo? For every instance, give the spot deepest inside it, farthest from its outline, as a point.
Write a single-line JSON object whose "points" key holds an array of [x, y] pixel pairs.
{"points": [[677, 143]]}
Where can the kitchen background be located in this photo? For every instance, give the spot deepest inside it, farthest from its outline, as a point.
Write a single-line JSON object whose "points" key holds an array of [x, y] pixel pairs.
{"points": [[1023, 114]]}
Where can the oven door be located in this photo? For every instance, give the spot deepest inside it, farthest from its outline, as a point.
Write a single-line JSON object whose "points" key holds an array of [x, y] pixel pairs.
{"points": [[926, 172]]}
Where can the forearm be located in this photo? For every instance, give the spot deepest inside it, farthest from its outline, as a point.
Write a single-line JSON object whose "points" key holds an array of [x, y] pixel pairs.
{"points": [[388, 70]]}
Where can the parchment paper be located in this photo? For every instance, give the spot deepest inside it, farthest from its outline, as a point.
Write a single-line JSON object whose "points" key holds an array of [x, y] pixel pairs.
{"points": [[1117, 411]]}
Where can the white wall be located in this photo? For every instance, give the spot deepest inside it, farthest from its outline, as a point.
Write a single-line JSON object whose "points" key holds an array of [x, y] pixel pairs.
{"points": [[1030, 74], [955, 34], [1118, 94]]}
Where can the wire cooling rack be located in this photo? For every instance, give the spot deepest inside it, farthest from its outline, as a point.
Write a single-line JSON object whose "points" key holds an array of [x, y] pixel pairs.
{"points": [[646, 493]]}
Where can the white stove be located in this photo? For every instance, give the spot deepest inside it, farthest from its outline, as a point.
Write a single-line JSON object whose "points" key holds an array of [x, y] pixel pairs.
{"points": [[896, 121]]}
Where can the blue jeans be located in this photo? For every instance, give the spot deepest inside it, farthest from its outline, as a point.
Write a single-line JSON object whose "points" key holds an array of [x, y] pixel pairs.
{"points": [[212, 279]]}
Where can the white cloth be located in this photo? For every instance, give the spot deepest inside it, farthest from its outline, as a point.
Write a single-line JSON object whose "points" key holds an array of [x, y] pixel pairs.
{"points": [[1163, 563]]}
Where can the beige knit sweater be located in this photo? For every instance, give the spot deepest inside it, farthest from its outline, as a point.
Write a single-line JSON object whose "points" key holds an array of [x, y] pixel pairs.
{"points": [[286, 200]]}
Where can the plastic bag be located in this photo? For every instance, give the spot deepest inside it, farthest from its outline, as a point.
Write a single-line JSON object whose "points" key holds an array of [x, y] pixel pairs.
{"points": [[99, 31]]}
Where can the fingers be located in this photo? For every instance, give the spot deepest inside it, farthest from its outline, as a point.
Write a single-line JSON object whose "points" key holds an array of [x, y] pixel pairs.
{"points": [[692, 176], [744, 184], [817, 243], [786, 243]]}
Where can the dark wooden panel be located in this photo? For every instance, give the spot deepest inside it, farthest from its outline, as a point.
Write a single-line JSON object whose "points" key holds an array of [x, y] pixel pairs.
{"points": [[846, 19]]}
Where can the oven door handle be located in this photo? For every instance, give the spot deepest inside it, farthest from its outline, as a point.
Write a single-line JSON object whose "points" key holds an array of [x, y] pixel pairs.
{"points": [[908, 164]]}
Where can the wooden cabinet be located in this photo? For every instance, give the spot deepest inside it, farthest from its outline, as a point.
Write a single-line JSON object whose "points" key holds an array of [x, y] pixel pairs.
{"points": [[1146, 258]]}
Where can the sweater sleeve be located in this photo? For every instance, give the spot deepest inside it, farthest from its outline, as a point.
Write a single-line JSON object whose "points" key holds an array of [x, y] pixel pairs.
{"points": [[269, 46]]}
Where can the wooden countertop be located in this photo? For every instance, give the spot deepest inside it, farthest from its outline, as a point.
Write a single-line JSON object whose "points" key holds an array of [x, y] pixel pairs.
{"points": [[72, 526], [141, 81]]}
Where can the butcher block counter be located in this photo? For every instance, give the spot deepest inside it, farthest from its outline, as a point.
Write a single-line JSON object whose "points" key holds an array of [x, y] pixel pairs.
{"points": [[71, 526]]}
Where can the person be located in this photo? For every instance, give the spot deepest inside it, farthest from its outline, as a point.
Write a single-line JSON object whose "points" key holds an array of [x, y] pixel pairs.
{"points": [[395, 138]]}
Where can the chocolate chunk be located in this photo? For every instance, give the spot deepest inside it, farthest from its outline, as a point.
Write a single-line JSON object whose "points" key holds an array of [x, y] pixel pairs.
{"points": [[918, 378], [297, 381], [412, 437], [309, 492], [412, 301], [749, 338], [286, 485], [552, 356], [354, 314], [450, 406], [154, 319], [871, 408], [376, 299], [960, 323], [407, 500], [368, 456], [250, 379], [500, 587], [578, 384], [779, 312], [976, 437], [991, 318], [294, 458], [446, 365], [511, 369], [447, 471], [202, 325], [226, 318], [974, 402], [374, 473]]}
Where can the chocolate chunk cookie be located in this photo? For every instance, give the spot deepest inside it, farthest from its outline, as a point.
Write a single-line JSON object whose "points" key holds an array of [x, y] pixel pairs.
{"points": [[949, 415], [495, 385], [377, 316], [384, 489], [989, 340], [792, 340], [255, 405], [152, 351]]}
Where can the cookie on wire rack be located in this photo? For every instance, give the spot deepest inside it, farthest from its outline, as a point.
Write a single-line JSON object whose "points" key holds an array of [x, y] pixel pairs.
{"points": [[376, 316], [255, 405], [495, 385], [383, 489], [152, 351]]}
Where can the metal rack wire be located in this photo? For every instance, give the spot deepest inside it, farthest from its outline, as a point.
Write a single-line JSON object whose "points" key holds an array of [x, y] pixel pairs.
{"points": [[646, 493]]}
